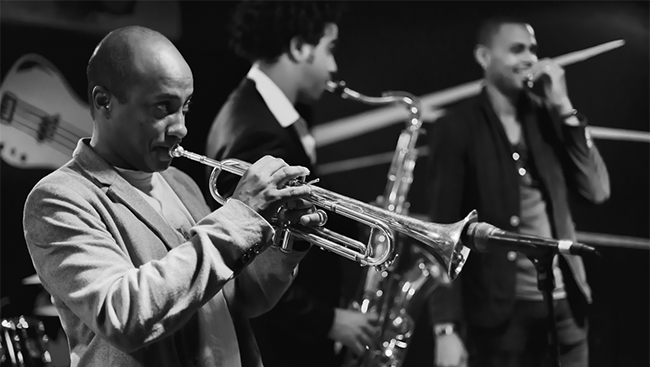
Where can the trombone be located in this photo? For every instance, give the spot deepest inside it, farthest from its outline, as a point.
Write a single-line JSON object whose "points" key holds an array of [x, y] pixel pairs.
{"points": [[443, 239]]}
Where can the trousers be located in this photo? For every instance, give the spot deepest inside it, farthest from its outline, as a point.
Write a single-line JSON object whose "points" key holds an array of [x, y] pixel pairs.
{"points": [[523, 341]]}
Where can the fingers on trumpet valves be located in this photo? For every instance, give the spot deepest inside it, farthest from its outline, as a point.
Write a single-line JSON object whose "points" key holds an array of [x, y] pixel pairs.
{"points": [[302, 212], [317, 218], [290, 175], [322, 218]]}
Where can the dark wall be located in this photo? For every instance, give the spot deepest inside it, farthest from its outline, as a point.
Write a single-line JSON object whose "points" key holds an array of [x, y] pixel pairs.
{"points": [[420, 47]]}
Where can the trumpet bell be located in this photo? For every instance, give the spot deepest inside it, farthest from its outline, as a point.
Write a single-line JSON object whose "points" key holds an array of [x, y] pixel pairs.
{"points": [[444, 242]]}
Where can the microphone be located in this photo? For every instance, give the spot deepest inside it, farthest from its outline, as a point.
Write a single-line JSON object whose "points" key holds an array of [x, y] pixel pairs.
{"points": [[484, 237]]}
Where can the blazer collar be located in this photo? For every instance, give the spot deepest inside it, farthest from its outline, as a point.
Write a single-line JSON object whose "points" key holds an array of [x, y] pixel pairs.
{"points": [[276, 101], [119, 190], [525, 111], [194, 203]]}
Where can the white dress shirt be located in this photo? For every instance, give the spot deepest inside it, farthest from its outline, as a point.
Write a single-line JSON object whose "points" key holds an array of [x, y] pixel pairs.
{"points": [[282, 109]]}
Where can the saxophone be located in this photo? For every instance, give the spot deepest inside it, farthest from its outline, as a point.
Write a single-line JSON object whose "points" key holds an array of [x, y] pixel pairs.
{"points": [[398, 294]]}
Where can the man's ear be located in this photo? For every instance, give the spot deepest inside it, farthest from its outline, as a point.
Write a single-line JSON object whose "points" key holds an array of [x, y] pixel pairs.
{"points": [[101, 100], [299, 50], [482, 56]]}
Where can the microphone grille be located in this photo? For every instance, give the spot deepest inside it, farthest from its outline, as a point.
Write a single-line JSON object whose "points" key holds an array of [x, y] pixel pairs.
{"points": [[479, 234]]}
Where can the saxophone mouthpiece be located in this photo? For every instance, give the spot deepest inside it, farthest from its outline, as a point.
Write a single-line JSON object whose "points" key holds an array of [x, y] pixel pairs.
{"points": [[337, 87]]}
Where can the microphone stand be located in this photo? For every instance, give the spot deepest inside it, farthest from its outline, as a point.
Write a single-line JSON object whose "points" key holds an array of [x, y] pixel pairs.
{"points": [[541, 252], [546, 283]]}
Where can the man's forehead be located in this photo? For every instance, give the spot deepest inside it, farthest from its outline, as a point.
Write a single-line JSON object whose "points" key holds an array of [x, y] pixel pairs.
{"points": [[157, 86], [167, 88], [161, 63], [515, 33]]}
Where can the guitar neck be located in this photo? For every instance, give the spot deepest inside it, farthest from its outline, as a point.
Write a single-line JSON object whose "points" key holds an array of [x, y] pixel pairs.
{"points": [[43, 127]]}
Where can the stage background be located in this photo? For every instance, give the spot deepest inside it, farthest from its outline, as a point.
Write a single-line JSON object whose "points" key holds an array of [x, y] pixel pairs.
{"points": [[420, 47]]}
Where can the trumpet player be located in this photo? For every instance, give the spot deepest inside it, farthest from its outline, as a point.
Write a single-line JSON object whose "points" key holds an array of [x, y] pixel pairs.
{"points": [[515, 154], [140, 271], [290, 45]]}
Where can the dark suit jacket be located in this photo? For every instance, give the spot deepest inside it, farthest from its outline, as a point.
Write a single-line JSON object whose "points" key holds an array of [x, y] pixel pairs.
{"points": [[295, 332], [471, 168]]}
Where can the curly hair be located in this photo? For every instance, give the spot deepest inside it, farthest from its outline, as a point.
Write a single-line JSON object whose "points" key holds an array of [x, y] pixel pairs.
{"points": [[262, 30]]}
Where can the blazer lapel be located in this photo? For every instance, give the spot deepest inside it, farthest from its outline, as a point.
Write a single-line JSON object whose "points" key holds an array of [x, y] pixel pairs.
{"points": [[500, 143], [533, 135], [194, 202], [123, 192], [119, 190]]}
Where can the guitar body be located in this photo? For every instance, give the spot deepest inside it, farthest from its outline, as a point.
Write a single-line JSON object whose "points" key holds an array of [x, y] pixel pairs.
{"points": [[41, 121], [41, 117]]}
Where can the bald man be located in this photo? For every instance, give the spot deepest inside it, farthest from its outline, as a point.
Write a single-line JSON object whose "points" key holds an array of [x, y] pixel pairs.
{"points": [[140, 271]]}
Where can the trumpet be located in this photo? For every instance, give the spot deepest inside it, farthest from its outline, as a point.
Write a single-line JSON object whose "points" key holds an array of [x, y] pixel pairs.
{"points": [[443, 239]]}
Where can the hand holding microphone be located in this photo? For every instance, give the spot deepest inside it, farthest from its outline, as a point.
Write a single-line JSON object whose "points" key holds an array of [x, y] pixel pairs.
{"points": [[552, 78]]}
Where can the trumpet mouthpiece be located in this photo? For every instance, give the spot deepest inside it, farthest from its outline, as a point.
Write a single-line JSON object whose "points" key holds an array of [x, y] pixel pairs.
{"points": [[176, 151]]}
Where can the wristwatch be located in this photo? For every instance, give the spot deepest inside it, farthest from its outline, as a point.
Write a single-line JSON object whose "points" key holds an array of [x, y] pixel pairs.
{"points": [[444, 329]]}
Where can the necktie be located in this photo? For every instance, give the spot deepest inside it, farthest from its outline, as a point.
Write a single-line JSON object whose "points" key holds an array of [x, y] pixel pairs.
{"points": [[307, 140]]}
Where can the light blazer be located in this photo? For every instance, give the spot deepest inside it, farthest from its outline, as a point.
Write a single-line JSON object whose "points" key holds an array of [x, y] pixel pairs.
{"points": [[127, 285]]}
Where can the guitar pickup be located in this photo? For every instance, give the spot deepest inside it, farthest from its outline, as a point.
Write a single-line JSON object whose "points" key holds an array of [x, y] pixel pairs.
{"points": [[8, 107], [47, 127]]}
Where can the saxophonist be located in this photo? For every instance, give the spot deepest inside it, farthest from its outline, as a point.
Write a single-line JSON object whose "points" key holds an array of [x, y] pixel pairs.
{"points": [[290, 45], [515, 155]]}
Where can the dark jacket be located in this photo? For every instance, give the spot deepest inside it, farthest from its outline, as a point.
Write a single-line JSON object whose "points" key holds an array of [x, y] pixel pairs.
{"points": [[471, 168], [295, 332]]}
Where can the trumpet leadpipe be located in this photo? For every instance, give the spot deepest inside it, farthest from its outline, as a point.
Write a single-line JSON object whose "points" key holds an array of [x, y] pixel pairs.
{"points": [[178, 151]]}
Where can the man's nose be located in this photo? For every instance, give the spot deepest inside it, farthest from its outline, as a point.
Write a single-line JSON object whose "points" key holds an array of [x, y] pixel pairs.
{"points": [[333, 68], [530, 57], [177, 128]]}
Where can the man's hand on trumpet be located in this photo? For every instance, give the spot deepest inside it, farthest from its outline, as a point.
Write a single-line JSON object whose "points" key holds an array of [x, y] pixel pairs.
{"points": [[264, 189], [301, 211]]}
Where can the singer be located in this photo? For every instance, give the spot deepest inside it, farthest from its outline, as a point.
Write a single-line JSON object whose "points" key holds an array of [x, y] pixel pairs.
{"points": [[515, 152]]}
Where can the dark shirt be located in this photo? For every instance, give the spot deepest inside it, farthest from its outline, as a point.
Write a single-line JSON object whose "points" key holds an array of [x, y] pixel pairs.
{"points": [[534, 221]]}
